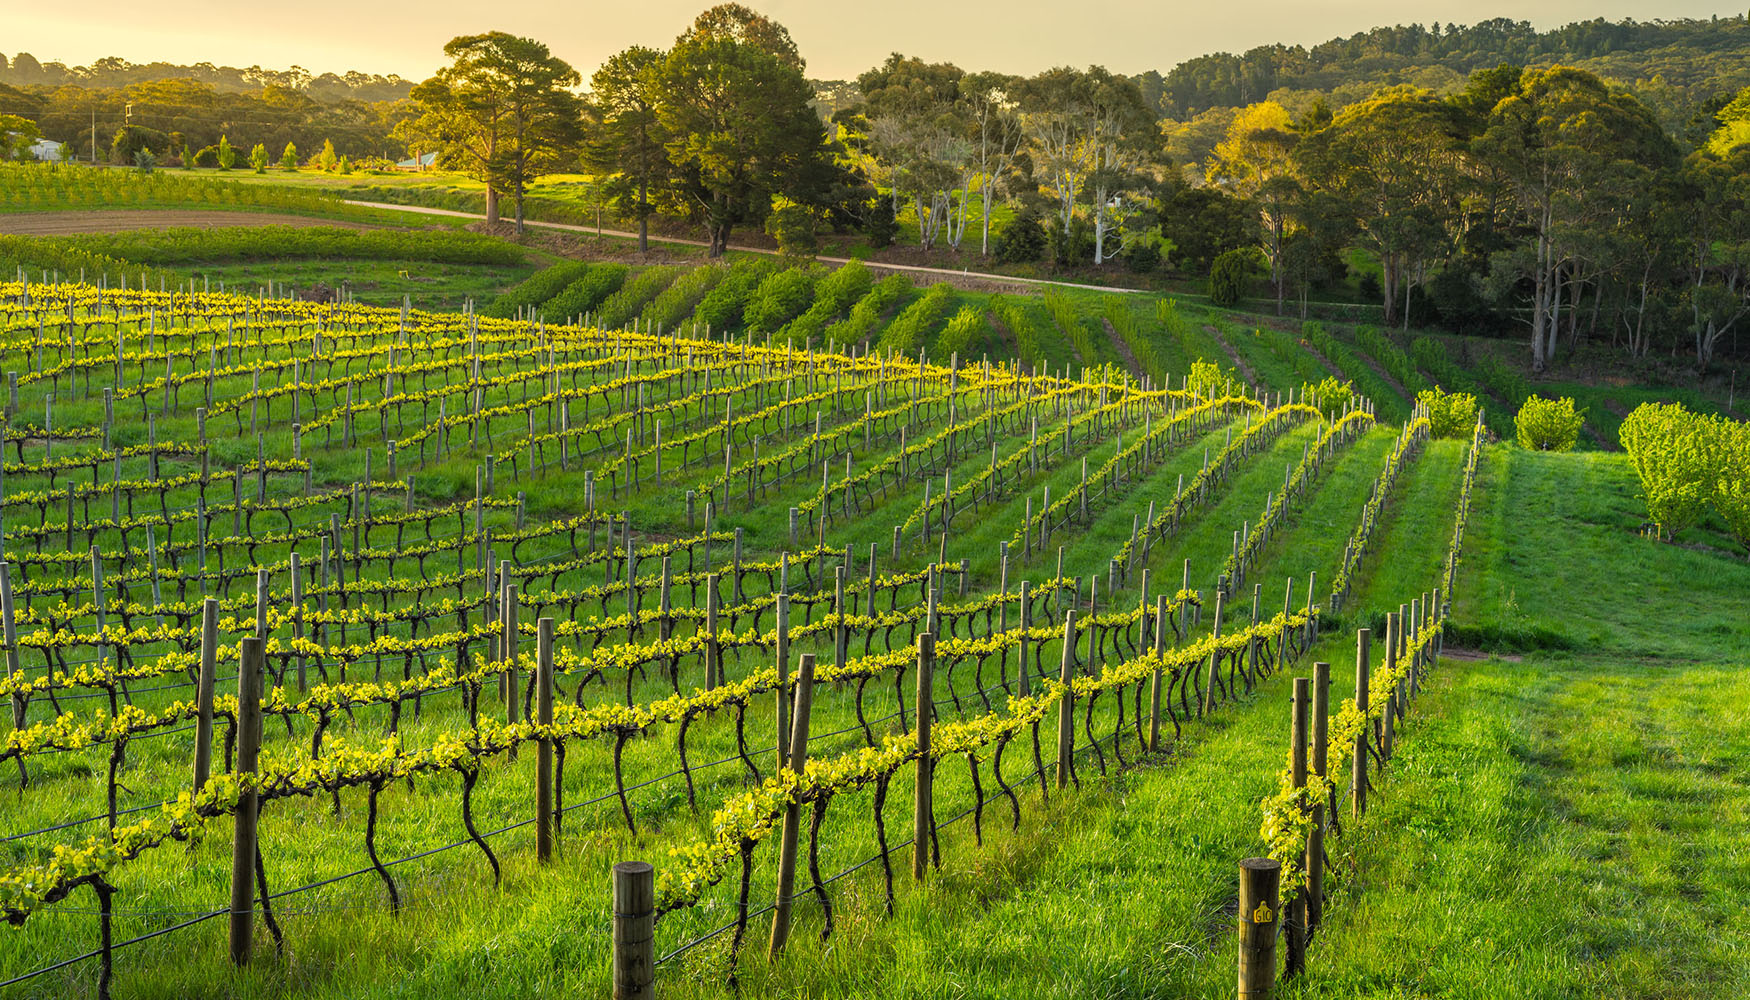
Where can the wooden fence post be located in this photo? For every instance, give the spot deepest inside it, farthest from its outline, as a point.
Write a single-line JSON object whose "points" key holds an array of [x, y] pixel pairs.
{"points": [[544, 825], [1297, 773], [1260, 887], [923, 809], [243, 844], [1154, 690], [510, 634], [782, 657], [203, 727], [713, 668], [634, 930], [1358, 781], [1393, 638], [804, 706], [1214, 655], [1066, 731], [1315, 838], [10, 634]]}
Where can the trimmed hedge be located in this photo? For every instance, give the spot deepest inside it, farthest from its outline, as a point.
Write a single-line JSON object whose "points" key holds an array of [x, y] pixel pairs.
{"points": [[537, 289], [587, 292]]}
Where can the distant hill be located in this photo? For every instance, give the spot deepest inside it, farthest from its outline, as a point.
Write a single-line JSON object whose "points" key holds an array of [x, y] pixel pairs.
{"points": [[1676, 67], [23, 70]]}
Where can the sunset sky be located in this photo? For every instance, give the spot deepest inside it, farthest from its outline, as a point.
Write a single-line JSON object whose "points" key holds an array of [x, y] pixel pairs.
{"points": [[837, 37]]}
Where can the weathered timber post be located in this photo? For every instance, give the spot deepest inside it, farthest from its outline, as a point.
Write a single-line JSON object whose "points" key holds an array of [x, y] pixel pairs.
{"points": [[634, 930], [793, 812], [1260, 886]]}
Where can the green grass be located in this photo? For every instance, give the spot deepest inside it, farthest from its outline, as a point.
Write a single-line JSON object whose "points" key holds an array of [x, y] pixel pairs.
{"points": [[429, 285], [1571, 824]]}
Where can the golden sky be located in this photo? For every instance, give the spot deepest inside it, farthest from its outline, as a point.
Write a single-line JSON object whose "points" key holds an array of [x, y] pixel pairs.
{"points": [[839, 38]]}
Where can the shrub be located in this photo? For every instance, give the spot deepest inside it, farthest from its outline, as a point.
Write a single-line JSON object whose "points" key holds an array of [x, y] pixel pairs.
{"points": [[1143, 253], [1450, 414], [1390, 356], [883, 224], [779, 299], [832, 295], [623, 306], [1330, 394], [1028, 343], [1548, 424], [907, 329], [1229, 275], [1023, 239], [720, 310], [666, 311], [227, 156], [144, 161], [537, 289], [962, 331], [131, 139], [207, 157], [1208, 379], [258, 158], [589, 291], [793, 227], [1673, 455], [327, 160], [1732, 480], [856, 327], [1069, 323], [289, 159]]}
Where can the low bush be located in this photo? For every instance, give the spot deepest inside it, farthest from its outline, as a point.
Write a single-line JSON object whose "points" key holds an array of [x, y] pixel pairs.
{"points": [[1548, 424], [537, 289]]}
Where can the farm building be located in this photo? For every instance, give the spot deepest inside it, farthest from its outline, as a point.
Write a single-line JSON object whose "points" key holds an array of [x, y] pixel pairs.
{"points": [[47, 149]]}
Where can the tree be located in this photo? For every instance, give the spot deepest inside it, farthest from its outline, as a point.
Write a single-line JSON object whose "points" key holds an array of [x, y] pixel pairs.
{"points": [[1393, 162], [995, 115], [744, 26], [258, 158], [501, 113], [1568, 152], [624, 147], [289, 159], [17, 135], [793, 227], [1090, 132], [1203, 223], [918, 130], [227, 155], [1229, 274], [1734, 127], [738, 127], [1256, 162], [327, 160], [1716, 213]]}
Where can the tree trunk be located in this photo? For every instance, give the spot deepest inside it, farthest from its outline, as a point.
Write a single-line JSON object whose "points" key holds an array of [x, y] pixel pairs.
{"points": [[1408, 284], [984, 248], [520, 191], [1388, 279], [491, 206], [643, 215], [1099, 228], [1539, 299]]}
